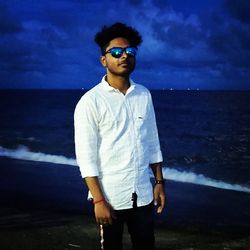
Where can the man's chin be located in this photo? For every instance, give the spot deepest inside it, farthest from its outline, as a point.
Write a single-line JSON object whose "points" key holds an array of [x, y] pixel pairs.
{"points": [[126, 71]]}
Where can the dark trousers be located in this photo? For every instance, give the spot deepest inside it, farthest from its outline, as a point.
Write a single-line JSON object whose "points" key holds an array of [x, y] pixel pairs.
{"points": [[140, 223]]}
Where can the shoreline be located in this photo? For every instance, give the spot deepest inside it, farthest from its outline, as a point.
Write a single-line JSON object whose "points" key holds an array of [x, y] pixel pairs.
{"points": [[80, 232], [44, 207]]}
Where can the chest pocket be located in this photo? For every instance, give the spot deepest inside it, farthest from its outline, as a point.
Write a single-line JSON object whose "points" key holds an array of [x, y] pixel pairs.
{"points": [[112, 120]]}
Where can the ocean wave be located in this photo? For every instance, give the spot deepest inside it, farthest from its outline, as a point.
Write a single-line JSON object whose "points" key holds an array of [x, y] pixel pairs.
{"points": [[199, 179], [23, 153]]}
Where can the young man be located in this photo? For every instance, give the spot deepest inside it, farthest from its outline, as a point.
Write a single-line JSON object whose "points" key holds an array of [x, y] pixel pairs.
{"points": [[116, 143]]}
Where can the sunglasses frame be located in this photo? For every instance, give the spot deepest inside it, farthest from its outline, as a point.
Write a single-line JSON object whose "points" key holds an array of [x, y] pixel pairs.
{"points": [[117, 54]]}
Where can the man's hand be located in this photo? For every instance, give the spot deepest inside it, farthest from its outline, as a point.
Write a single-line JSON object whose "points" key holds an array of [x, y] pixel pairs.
{"points": [[104, 213], [159, 197]]}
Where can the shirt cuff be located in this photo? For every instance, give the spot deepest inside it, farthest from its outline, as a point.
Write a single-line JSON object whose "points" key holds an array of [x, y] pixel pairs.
{"points": [[155, 157], [88, 170]]}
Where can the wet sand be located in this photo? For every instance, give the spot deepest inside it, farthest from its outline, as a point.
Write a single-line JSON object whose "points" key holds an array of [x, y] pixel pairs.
{"points": [[46, 209]]}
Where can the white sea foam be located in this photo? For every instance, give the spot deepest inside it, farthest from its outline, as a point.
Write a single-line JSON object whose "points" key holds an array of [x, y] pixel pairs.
{"points": [[23, 153], [199, 179]]}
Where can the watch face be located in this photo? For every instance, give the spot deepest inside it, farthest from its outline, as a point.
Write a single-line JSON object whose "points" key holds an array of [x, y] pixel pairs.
{"points": [[159, 181]]}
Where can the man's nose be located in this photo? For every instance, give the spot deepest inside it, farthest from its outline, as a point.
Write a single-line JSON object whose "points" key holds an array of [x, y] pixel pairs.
{"points": [[124, 54]]}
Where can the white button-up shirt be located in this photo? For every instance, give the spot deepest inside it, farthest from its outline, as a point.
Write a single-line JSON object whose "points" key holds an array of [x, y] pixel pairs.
{"points": [[116, 139]]}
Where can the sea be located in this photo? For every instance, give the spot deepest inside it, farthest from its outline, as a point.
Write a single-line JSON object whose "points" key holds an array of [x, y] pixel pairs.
{"points": [[204, 136]]}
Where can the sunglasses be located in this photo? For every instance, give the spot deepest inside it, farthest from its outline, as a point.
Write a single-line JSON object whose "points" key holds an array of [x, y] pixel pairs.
{"points": [[117, 51]]}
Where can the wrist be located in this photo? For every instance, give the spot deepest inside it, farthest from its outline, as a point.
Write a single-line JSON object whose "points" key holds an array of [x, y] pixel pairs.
{"points": [[159, 181], [98, 201]]}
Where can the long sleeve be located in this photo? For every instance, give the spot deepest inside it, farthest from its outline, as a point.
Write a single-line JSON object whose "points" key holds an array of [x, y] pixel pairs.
{"points": [[153, 138], [86, 137]]}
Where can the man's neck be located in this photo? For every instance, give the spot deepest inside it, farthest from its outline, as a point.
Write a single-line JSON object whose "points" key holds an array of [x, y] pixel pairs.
{"points": [[118, 82]]}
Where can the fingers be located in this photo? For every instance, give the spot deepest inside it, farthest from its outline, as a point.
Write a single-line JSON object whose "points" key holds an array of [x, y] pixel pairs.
{"points": [[104, 214], [107, 220], [160, 206], [163, 201], [104, 221], [159, 200]]}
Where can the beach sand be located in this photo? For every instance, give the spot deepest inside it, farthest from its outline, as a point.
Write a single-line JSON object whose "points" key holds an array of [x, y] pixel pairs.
{"points": [[80, 232], [46, 209]]}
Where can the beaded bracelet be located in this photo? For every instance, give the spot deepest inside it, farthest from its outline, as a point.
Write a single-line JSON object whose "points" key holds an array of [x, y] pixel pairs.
{"points": [[98, 201]]}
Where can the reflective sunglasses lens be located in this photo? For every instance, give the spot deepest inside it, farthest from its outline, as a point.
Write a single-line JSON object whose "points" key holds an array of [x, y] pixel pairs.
{"points": [[116, 52], [131, 51]]}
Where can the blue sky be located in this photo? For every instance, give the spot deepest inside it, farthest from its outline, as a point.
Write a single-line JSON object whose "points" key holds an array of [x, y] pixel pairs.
{"points": [[186, 44]]}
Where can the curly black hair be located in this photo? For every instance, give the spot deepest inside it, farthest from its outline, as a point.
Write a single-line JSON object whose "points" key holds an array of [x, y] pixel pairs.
{"points": [[107, 34]]}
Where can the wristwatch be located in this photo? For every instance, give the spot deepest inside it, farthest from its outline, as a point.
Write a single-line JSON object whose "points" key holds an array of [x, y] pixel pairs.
{"points": [[160, 181]]}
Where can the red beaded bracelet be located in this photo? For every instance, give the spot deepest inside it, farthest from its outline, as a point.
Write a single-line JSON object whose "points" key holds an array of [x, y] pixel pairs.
{"points": [[98, 201]]}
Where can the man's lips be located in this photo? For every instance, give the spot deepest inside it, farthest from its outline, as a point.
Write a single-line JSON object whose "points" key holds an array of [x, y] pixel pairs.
{"points": [[124, 63]]}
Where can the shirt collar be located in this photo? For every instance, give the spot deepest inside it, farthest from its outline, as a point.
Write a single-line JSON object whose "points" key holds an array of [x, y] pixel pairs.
{"points": [[106, 85]]}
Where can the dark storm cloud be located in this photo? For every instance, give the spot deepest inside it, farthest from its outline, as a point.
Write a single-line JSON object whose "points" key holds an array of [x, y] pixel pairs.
{"points": [[177, 34], [239, 9], [161, 4], [64, 17], [230, 40], [215, 44], [47, 46], [8, 22], [135, 2], [13, 53], [50, 43]]}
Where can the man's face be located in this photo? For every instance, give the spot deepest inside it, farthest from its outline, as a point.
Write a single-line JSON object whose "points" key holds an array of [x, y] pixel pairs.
{"points": [[122, 66]]}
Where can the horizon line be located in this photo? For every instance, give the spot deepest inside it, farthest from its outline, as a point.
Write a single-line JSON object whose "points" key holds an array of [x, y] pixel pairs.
{"points": [[157, 89]]}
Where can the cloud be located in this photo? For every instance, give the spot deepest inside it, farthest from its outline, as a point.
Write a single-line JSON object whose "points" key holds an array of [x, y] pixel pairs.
{"points": [[169, 32], [135, 2], [230, 40], [214, 48], [239, 9], [161, 4], [50, 43], [8, 23], [48, 49]]}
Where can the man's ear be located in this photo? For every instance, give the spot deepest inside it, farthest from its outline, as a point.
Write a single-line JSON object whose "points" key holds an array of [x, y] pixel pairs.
{"points": [[103, 61]]}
